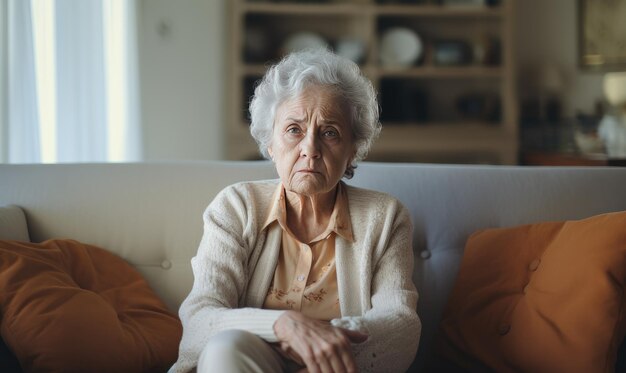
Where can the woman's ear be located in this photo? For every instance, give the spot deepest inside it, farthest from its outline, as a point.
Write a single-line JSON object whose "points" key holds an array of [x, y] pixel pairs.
{"points": [[351, 158], [270, 152]]}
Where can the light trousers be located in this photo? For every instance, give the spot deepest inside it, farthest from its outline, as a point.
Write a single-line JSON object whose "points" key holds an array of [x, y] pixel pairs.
{"points": [[238, 351]]}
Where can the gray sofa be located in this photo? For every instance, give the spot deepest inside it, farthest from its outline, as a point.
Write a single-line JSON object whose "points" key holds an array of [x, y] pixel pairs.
{"points": [[150, 213]]}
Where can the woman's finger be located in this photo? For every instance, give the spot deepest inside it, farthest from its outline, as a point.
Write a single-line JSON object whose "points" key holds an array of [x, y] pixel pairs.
{"points": [[345, 353], [290, 354], [324, 363], [338, 363], [330, 355], [308, 357]]}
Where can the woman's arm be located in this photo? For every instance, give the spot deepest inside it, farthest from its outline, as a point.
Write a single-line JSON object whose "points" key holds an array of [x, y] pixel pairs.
{"points": [[220, 276], [392, 322]]}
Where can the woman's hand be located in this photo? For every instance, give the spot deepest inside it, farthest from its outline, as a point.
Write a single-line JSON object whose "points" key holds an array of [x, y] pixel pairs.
{"points": [[317, 344]]}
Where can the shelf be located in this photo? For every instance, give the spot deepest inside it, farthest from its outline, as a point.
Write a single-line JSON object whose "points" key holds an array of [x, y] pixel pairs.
{"points": [[426, 90], [437, 137], [438, 11], [410, 72], [376, 9], [464, 130], [441, 72], [302, 9], [484, 127]]}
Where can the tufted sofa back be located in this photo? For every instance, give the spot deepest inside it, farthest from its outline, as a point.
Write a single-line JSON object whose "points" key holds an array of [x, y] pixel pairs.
{"points": [[151, 213]]}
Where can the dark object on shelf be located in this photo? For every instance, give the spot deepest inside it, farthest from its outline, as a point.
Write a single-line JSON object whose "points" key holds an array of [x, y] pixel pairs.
{"points": [[588, 121], [550, 137], [452, 53], [479, 106], [300, 1], [402, 1], [475, 3], [548, 110], [530, 110], [553, 109], [257, 45], [486, 51], [469, 2], [402, 102]]}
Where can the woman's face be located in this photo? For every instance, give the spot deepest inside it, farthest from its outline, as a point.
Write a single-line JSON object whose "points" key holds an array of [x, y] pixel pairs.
{"points": [[312, 142]]}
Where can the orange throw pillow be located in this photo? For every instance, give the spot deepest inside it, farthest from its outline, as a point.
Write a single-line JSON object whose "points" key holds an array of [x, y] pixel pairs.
{"points": [[71, 307], [545, 297]]}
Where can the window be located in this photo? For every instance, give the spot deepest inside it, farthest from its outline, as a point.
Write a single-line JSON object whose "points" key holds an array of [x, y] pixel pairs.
{"points": [[72, 81]]}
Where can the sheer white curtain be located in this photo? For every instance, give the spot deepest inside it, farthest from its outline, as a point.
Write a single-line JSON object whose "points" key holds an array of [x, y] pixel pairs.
{"points": [[23, 114], [72, 81]]}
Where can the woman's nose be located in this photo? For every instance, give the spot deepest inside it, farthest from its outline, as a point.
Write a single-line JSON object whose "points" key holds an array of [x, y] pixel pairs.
{"points": [[309, 146]]}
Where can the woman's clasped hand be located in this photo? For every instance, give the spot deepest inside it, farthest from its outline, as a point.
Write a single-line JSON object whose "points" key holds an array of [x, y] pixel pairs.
{"points": [[315, 344]]}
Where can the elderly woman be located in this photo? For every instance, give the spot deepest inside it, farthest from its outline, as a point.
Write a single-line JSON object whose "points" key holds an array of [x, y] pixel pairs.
{"points": [[305, 272]]}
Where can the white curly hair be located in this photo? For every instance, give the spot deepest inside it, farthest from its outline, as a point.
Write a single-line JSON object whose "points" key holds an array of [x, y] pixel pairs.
{"points": [[299, 70]]}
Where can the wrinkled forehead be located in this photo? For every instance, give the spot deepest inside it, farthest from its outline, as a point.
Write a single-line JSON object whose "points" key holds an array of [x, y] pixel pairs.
{"points": [[324, 101]]}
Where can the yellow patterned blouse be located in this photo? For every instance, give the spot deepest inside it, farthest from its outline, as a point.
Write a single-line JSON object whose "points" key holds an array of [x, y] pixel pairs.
{"points": [[305, 279]]}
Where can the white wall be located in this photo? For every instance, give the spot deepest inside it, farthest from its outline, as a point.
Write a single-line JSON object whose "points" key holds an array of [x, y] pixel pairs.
{"points": [[4, 58], [547, 36], [182, 64]]}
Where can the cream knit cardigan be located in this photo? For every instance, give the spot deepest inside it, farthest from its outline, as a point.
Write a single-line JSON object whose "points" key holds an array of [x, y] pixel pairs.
{"points": [[236, 260]]}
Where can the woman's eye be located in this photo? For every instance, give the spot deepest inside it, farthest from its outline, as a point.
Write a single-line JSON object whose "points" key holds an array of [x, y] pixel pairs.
{"points": [[330, 133], [293, 130]]}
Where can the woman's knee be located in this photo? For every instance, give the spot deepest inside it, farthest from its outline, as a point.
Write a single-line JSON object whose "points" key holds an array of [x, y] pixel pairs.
{"points": [[233, 339], [228, 344], [236, 350]]}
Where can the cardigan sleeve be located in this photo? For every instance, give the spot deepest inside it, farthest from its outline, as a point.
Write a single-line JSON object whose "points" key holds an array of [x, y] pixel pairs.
{"points": [[392, 322], [220, 279]]}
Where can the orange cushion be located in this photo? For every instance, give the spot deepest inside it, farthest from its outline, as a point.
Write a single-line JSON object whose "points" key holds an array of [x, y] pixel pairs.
{"points": [[71, 307], [545, 297]]}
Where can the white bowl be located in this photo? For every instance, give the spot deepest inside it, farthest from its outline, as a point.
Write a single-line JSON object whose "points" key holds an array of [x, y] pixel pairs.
{"points": [[351, 48], [400, 47], [589, 143], [612, 130], [615, 88]]}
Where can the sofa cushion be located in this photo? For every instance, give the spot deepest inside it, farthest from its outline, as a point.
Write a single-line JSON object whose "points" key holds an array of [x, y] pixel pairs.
{"points": [[13, 224], [12, 227], [544, 297], [72, 307]]}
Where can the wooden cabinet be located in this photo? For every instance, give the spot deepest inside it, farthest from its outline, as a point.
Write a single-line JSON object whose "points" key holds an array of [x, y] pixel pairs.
{"points": [[543, 158], [431, 111]]}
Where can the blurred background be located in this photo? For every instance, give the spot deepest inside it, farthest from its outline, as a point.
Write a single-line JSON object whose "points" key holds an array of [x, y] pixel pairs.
{"points": [[460, 81]]}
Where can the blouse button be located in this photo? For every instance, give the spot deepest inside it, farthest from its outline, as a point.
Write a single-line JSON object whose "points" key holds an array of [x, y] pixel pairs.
{"points": [[301, 278]]}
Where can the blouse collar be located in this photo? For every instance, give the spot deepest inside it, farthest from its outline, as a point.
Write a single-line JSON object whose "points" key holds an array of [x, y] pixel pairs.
{"points": [[339, 222]]}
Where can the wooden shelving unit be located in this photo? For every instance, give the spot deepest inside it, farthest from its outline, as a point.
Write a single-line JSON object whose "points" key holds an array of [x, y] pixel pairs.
{"points": [[444, 134]]}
